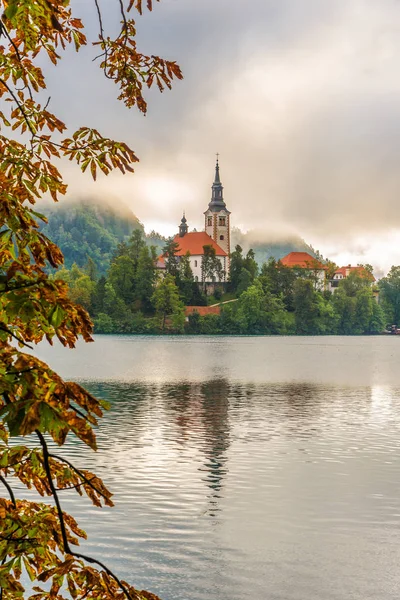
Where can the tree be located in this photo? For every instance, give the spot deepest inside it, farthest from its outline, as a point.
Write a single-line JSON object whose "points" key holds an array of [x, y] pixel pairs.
{"points": [[236, 266], [279, 280], [146, 277], [390, 291], [354, 283], [345, 307], [245, 281], [122, 275], [260, 312], [188, 287], [38, 537], [211, 267], [81, 286], [168, 304], [91, 269], [306, 307], [250, 264], [171, 259]]}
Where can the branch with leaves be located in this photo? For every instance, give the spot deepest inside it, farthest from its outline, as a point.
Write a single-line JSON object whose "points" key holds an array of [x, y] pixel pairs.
{"points": [[36, 538]]}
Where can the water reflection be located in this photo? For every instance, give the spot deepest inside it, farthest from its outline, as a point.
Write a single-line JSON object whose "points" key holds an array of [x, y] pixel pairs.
{"points": [[225, 489]]}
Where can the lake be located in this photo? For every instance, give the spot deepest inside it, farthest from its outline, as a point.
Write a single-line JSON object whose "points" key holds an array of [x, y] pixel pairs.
{"points": [[245, 467]]}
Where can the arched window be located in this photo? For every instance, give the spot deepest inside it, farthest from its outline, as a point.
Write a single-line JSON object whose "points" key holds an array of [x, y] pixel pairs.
{"points": [[221, 221], [195, 263], [221, 237], [209, 222]]}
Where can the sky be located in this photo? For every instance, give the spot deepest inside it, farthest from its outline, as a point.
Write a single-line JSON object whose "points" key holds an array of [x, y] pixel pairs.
{"points": [[301, 98]]}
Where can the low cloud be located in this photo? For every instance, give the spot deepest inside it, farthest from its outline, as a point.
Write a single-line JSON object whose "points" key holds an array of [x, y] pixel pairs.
{"points": [[301, 99]]}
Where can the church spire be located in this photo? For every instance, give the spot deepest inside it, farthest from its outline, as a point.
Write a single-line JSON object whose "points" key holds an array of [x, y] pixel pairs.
{"points": [[183, 227], [217, 180], [217, 198]]}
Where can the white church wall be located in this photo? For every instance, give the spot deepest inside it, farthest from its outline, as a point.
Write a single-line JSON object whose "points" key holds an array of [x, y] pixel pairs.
{"points": [[195, 265]]}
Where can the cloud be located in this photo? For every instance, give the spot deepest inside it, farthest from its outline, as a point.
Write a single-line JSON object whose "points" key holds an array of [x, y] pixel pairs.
{"points": [[301, 98]]}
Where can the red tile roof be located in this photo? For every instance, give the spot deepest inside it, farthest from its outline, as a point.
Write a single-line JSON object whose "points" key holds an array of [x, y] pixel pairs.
{"points": [[361, 271], [193, 242], [203, 310], [303, 260]]}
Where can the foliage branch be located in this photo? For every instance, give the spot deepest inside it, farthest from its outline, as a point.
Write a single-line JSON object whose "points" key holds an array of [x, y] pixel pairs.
{"points": [[36, 538]]}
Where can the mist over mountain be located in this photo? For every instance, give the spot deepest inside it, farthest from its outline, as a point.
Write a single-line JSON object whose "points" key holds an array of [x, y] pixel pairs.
{"points": [[267, 245], [87, 228], [92, 228]]}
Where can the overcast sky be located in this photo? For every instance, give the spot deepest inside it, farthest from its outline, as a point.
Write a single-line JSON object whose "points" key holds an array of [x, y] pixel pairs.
{"points": [[301, 98]]}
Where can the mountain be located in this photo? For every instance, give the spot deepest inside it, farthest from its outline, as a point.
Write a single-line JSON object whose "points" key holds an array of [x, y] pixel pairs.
{"points": [[86, 229], [264, 249]]}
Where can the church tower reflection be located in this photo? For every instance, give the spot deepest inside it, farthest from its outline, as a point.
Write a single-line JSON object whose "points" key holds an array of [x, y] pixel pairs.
{"points": [[215, 417]]}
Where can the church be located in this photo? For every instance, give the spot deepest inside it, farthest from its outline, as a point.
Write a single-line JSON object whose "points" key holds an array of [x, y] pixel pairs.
{"points": [[216, 234]]}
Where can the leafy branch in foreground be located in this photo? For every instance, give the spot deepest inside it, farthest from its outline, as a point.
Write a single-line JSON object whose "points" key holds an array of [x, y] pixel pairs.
{"points": [[36, 538]]}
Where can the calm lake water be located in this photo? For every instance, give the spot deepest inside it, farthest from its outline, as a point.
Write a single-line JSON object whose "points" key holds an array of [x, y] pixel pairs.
{"points": [[262, 468]]}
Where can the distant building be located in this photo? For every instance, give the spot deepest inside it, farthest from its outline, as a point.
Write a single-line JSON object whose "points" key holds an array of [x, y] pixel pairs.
{"points": [[344, 272], [194, 243], [216, 235], [217, 217], [307, 263]]}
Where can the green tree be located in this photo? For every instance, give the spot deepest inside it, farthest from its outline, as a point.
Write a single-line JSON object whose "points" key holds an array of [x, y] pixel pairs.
{"points": [[236, 266], [40, 537], [389, 287], [98, 296], [135, 245], [188, 287], [146, 277], [81, 287], [378, 319], [250, 264], [122, 276], [171, 259], [345, 307], [103, 324], [279, 280], [364, 311], [211, 267], [91, 269], [168, 304], [259, 312], [354, 283], [306, 307], [244, 282]]}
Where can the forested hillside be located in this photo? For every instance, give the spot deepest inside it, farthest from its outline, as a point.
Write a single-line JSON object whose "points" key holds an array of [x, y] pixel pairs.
{"points": [[84, 229]]}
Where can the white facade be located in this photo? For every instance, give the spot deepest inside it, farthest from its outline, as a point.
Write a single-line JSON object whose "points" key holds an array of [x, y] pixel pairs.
{"points": [[195, 265]]}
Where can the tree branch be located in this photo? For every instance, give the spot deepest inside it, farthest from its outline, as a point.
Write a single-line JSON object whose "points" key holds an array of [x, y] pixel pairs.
{"points": [[81, 475], [9, 489], [67, 548], [15, 337]]}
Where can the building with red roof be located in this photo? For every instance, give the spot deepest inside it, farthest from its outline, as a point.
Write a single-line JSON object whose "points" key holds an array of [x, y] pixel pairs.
{"points": [[308, 263], [216, 236], [302, 260], [193, 243], [344, 272]]}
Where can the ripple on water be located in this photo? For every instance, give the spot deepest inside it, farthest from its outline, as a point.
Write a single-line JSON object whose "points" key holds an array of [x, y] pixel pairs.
{"points": [[229, 487]]}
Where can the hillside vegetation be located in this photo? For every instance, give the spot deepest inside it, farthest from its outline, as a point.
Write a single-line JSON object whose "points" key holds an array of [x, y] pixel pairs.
{"points": [[84, 229], [87, 230]]}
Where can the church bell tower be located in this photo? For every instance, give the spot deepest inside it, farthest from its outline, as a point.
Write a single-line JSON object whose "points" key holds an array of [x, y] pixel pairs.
{"points": [[217, 216]]}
